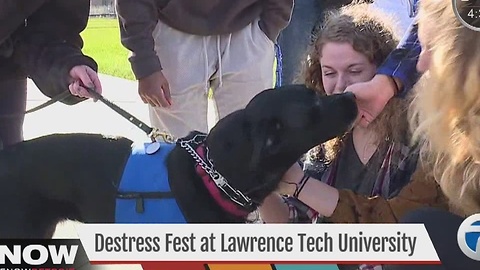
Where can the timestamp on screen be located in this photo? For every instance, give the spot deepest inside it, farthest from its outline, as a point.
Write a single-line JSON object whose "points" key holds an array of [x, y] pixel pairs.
{"points": [[468, 12]]}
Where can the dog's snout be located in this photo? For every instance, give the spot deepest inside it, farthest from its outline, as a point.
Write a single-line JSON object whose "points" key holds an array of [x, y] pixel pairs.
{"points": [[345, 106], [350, 95], [350, 105]]}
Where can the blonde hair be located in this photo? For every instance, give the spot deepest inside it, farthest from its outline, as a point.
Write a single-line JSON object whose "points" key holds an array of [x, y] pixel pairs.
{"points": [[371, 33], [445, 113]]}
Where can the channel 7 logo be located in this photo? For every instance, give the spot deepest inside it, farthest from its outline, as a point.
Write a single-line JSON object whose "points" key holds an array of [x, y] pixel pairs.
{"points": [[468, 237]]}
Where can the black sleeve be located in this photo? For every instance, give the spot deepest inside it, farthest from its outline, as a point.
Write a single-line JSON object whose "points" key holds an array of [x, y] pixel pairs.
{"points": [[50, 45]]}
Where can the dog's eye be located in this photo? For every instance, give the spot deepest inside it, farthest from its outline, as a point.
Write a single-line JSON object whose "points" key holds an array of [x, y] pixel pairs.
{"points": [[275, 126], [278, 126], [318, 100], [275, 130], [269, 142]]}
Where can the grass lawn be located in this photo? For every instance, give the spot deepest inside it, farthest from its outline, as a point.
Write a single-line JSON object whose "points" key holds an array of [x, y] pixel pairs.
{"points": [[102, 43]]}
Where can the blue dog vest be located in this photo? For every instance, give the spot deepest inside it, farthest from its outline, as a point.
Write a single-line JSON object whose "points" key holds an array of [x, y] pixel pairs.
{"points": [[144, 181]]}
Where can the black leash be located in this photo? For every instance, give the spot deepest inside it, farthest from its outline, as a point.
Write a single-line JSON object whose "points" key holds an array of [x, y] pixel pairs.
{"points": [[153, 133], [51, 101], [137, 122]]}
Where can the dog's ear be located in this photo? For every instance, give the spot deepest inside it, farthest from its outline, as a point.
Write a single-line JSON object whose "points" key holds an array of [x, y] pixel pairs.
{"points": [[231, 138]]}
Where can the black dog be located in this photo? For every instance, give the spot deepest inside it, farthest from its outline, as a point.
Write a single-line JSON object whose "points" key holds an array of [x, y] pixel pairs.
{"points": [[76, 176]]}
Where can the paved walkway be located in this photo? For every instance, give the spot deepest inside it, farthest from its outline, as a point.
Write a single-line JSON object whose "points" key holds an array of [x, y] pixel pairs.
{"points": [[88, 116]]}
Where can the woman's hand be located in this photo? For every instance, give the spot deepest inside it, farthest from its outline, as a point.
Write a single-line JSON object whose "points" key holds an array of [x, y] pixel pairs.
{"points": [[372, 96]]}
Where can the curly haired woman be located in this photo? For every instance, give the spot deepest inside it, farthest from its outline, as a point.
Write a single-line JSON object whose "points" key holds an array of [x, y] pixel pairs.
{"points": [[375, 160], [371, 161]]}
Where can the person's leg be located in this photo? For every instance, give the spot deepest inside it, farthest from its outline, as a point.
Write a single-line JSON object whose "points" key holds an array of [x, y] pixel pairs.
{"points": [[186, 66], [13, 102], [296, 37], [246, 69], [442, 227]]}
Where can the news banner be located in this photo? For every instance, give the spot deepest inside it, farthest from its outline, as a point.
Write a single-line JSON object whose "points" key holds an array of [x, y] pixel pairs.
{"points": [[241, 244], [258, 243]]}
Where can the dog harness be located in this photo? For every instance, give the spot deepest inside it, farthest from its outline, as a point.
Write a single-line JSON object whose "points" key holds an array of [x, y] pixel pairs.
{"points": [[144, 194]]}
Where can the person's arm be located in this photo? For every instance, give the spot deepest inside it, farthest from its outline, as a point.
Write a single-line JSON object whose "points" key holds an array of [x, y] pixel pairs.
{"points": [[344, 206], [13, 15], [275, 16], [50, 45], [421, 191], [138, 19], [278, 208], [274, 209], [401, 63], [282, 209], [395, 77]]}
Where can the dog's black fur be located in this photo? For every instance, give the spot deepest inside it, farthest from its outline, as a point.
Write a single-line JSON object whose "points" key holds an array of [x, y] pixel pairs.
{"points": [[74, 176]]}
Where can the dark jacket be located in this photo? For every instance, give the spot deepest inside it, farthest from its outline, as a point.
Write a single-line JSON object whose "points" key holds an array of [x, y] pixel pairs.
{"points": [[138, 19], [41, 39]]}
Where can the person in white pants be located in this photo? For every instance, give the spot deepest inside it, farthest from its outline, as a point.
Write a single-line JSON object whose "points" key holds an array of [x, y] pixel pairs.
{"points": [[182, 48]]}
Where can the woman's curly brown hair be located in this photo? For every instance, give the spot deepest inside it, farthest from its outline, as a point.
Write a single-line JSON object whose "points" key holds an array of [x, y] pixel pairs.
{"points": [[371, 33]]}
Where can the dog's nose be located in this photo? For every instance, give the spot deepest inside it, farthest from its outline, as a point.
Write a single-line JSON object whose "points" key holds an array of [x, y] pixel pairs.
{"points": [[346, 104], [348, 99], [350, 95]]}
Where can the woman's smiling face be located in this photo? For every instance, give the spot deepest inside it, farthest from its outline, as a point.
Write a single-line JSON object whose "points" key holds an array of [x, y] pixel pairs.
{"points": [[342, 66]]}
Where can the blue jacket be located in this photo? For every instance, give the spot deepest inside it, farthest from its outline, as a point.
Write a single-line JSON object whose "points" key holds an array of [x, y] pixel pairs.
{"points": [[402, 62]]}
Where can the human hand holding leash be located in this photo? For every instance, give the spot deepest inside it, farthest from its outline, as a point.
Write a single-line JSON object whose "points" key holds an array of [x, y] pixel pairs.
{"points": [[83, 76], [155, 90]]}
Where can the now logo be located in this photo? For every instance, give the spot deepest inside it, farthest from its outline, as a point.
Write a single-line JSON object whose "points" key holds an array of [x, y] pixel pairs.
{"points": [[35, 254]]}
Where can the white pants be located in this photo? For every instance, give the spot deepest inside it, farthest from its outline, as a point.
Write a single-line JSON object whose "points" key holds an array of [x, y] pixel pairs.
{"points": [[236, 67]]}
